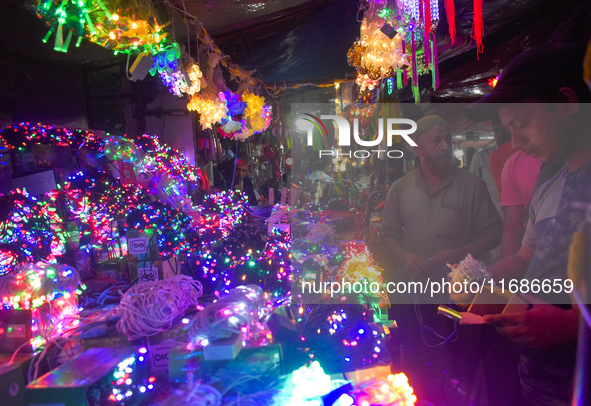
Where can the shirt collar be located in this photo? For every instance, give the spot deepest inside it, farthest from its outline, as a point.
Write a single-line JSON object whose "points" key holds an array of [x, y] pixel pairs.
{"points": [[422, 184]]}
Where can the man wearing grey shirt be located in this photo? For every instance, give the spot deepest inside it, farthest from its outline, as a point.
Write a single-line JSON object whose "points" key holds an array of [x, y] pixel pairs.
{"points": [[548, 116], [434, 216]]}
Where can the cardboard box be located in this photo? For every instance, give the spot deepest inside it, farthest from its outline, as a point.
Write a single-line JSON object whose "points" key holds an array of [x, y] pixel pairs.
{"points": [[13, 379], [143, 246], [16, 327], [5, 179], [90, 159], [220, 374], [52, 156], [145, 270], [22, 162], [36, 184], [94, 378]]}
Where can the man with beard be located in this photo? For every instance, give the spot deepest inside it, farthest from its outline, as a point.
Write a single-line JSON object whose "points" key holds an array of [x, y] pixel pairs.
{"points": [[434, 216]]}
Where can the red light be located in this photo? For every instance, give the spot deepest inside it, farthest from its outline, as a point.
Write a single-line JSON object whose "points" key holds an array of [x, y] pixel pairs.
{"points": [[152, 379], [1, 331], [112, 398], [492, 82]]}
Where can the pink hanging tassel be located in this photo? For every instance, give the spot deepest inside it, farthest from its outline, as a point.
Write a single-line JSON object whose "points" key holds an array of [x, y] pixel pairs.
{"points": [[427, 5], [450, 11], [478, 27], [435, 67], [415, 79]]}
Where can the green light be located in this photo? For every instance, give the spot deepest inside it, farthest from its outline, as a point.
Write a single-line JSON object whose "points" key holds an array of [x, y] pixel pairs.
{"points": [[251, 263], [46, 39]]}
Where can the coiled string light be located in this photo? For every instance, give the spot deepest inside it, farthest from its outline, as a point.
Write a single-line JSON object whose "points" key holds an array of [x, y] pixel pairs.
{"points": [[151, 307]]}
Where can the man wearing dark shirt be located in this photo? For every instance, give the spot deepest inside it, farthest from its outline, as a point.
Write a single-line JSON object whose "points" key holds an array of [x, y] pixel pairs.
{"points": [[548, 116]]}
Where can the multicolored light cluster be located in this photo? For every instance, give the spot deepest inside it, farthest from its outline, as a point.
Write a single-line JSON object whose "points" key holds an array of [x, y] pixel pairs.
{"points": [[24, 135], [101, 22], [50, 291], [359, 266], [127, 383], [310, 385], [161, 221], [344, 338], [27, 230]]}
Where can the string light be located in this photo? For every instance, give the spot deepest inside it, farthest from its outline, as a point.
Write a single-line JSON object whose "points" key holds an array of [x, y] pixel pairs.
{"points": [[50, 291], [162, 222], [128, 382], [194, 74], [210, 108], [26, 226], [150, 307]]}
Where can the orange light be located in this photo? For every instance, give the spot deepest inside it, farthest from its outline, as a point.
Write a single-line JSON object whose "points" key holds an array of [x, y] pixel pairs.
{"points": [[152, 379], [492, 82]]}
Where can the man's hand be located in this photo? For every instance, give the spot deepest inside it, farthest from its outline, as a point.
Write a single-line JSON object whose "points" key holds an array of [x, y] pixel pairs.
{"points": [[544, 325], [444, 257], [414, 264]]}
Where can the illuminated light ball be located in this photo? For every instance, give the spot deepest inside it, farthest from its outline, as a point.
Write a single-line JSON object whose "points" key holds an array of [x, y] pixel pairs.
{"points": [[211, 110], [254, 104], [195, 76], [115, 17]]}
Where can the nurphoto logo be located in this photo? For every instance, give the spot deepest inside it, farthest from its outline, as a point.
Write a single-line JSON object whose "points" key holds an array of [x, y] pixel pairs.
{"points": [[399, 127]]}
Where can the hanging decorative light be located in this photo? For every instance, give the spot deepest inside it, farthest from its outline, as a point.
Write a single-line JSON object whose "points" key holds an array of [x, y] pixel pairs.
{"points": [[375, 52], [210, 108], [195, 75]]}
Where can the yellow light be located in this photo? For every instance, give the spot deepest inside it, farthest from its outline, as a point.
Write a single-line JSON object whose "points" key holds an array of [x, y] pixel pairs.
{"points": [[134, 26], [337, 85], [112, 35], [115, 17]]}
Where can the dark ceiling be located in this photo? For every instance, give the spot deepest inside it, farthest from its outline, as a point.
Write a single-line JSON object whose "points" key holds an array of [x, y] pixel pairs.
{"points": [[292, 42]]}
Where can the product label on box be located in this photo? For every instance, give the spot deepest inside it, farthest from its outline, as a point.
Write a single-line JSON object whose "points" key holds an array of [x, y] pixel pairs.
{"points": [[137, 245], [16, 331], [159, 358], [110, 274], [148, 274]]}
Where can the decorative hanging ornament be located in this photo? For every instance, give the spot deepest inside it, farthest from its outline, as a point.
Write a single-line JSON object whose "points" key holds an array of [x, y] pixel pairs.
{"points": [[364, 82], [106, 23], [379, 47], [193, 85], [211, 109]]}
